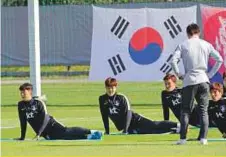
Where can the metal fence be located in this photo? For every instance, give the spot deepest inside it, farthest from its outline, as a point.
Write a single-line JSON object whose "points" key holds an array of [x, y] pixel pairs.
{"points": [[65, 31]]}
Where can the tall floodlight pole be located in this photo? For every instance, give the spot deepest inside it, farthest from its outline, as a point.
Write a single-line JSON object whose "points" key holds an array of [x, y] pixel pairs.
{"points": [[34, 46]]}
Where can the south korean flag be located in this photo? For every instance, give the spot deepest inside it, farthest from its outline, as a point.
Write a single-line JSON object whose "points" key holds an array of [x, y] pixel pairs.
{"points": [[136, 44]]}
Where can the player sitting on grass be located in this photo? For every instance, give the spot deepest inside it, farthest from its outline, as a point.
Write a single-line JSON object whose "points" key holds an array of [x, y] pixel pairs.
{"points": [[117, 107], [33, 111], [172, 99], [218, 107]]}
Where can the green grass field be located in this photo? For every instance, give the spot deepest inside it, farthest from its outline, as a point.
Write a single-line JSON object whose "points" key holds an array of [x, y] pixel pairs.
{"points": [[77, 105]]}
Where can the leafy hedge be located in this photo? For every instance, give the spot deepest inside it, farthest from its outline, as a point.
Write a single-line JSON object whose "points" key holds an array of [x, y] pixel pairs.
{"points": [[66, 2]]}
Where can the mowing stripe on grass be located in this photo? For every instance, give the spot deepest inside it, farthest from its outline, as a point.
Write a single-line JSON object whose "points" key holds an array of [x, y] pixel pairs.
{"points": [[29, 139], [8, 127], [195, 127], [216, 139], [119, 133]]}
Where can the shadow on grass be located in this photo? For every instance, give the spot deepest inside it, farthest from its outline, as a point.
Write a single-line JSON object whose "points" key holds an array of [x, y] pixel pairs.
{"points": [[106, 145]]}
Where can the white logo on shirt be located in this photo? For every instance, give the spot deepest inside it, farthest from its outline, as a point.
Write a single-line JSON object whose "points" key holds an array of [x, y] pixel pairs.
{"points": [[219, 114], [176, 102], [105, 103], [33, 108], [222, 108], [30, 115], [178, 96], [113, 110], [116, 103]]}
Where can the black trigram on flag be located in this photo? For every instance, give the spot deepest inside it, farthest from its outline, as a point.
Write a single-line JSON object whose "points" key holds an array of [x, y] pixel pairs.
{"points": [[119, 27], [172, 26], [166, 68], [116, 64]]}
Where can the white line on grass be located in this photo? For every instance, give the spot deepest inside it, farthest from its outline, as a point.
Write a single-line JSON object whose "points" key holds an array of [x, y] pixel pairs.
{"points": [[82, 80], [8, 127]]}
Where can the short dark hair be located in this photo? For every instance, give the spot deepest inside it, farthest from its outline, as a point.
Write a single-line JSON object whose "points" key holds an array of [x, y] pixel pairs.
{"points": [[170, 77], [110, 82], [193, 29], [25, 86], [217, 86]]}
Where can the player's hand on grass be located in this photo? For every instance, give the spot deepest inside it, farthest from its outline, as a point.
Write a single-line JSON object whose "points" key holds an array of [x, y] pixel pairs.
{"points": [[19, 139], [224, 135], [36, 137], [106, 133]]}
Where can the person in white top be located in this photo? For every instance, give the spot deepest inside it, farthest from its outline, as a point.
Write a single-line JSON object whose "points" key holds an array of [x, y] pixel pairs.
{"points": [[195, 54]]}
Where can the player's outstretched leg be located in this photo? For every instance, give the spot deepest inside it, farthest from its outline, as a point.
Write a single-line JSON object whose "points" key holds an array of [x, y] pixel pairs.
{"points": [[74, 133], [166, 126], [147, 126]]}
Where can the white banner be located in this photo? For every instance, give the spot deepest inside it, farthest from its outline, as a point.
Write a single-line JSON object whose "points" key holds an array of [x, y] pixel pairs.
{"points": [[136, 44]]}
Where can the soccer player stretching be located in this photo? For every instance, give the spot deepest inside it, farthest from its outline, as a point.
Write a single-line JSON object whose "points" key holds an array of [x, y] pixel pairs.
{"points": [[117, 107], [195, 54], [33, 111], [218, 107], [172, 99]]}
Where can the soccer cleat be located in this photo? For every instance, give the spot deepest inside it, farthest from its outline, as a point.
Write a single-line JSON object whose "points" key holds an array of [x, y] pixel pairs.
{"points": [[95, 135], [181, 142], [203, 141]]}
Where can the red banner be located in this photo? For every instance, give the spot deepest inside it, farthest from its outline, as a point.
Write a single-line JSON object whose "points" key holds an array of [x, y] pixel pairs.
{"points": [[214, 31]]}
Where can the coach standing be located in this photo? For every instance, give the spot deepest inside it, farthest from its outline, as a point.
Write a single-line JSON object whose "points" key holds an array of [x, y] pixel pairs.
{"points": [[195, 54]]}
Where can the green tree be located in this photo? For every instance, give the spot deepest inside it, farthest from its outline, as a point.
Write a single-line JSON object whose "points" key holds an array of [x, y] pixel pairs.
{"points": [[67, 2]]}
